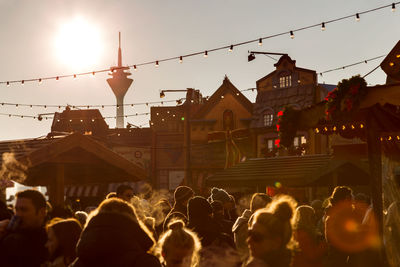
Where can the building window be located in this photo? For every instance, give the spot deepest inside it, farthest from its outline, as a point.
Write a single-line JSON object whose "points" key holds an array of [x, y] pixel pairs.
{"points": [[285, 81], [268, 118], [299, 140]]}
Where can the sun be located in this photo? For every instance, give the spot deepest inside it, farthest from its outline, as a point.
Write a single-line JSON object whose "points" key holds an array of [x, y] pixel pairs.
{"points": [[78, 44]]}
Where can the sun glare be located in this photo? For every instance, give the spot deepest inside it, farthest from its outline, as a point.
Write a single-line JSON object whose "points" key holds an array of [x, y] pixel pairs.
{"points": [[78, 44]]}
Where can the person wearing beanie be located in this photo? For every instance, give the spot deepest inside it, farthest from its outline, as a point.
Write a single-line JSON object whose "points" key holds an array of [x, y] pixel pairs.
{"points": [[182, 195], [219, 218], [201, 221], [220, 195]]}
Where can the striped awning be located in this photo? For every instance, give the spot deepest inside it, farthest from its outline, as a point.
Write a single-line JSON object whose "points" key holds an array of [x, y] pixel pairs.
{"points": [[82, 190]]}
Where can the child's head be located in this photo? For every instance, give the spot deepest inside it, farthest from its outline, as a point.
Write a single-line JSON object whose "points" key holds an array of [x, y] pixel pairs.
{"points": [[270, 228], [178, 246]]}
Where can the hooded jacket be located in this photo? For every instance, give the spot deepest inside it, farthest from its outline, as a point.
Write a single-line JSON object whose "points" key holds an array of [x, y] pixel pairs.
{"points": [[239, 230], [113, 239]]}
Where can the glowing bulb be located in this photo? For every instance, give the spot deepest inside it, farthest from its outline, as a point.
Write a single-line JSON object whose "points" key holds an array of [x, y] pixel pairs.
{"points": [[316, 130], [361, 125], [334, 128], [343, 127], [352, 127], [391, 64], [325, 129]]}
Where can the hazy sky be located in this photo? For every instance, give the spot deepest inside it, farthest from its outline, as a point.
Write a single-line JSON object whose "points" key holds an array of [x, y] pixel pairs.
{"points": [[36, 41]]}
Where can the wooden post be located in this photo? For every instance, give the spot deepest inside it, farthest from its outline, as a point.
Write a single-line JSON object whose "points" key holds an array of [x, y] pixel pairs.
{"points": [[59, 185], [375, 168]]}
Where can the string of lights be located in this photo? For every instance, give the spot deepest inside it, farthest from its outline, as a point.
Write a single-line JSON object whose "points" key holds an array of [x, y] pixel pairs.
{"points": [[353, 64], [46, 117], [205, 53], [89, 106], [177, 101]]}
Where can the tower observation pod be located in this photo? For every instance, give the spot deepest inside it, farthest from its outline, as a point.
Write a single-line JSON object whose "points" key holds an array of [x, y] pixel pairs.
{"points": [[119, 84]]}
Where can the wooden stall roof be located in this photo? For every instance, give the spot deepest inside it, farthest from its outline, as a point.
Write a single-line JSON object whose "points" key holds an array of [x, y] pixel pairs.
{"points": [[85, 160], [289, 171]]}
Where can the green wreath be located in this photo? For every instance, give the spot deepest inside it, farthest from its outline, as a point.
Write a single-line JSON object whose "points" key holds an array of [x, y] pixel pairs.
{"points": [[345, 98]]}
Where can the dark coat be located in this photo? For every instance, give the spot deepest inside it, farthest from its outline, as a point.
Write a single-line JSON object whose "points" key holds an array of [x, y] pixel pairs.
{"points": [[24, 247], [179, 211], [112, 239]]}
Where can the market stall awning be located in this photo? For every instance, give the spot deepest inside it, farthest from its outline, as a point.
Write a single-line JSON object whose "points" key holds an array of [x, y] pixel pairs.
{"points": [[292, 171], [83, 159]]}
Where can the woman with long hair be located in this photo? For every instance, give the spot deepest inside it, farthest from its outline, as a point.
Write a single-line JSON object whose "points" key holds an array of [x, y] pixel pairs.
{"points": [[178, 246], [63, 235], [311, 245], [270, 234], [114, 236]]}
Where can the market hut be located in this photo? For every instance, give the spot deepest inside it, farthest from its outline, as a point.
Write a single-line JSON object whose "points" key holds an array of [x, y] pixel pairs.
{"points": [[72, 159]]}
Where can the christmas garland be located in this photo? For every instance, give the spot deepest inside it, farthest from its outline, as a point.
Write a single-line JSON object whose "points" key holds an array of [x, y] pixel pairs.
{"points": [[345, 98], [287, 126]]}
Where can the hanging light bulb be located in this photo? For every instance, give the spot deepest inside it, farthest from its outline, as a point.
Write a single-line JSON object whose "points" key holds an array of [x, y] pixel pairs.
{"points": [[323, 26], [157, 63], [8, 84], [206, 53], [93, 73], [291, 35], [393, 7], [74, 76], [357, 17], [260, 42], [57, 78], [180, 59], [134, 68], [40, 80], [22, 82], [230, 48]]}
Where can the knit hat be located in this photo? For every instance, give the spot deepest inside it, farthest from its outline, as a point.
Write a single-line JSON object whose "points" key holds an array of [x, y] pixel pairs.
{"points": [[220, 194], [198, 207], [183, 193]]}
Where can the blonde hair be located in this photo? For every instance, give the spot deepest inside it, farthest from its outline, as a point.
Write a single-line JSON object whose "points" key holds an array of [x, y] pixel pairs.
{"points": [[178, 236], [276, 218], [116, 205]]}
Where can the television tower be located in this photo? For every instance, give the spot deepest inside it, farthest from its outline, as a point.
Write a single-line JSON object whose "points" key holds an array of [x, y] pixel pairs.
{"points": [[119, 84]]}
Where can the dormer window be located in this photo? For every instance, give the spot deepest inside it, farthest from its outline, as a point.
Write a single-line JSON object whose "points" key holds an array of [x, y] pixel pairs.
{"points": [[285, 81], [267, 119]]}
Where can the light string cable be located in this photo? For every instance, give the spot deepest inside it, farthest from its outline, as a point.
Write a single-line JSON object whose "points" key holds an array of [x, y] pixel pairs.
{"points": [[351, 65], [178, 101], [206, 52], [40, 117]]}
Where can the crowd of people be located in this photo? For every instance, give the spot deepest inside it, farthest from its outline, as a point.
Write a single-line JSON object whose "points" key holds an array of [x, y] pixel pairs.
{"points": [[194, 231]]}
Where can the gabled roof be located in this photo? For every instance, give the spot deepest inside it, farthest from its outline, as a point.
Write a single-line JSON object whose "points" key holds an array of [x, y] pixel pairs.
{"points": [[226, 87], [289, 171], [81, 156]]}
